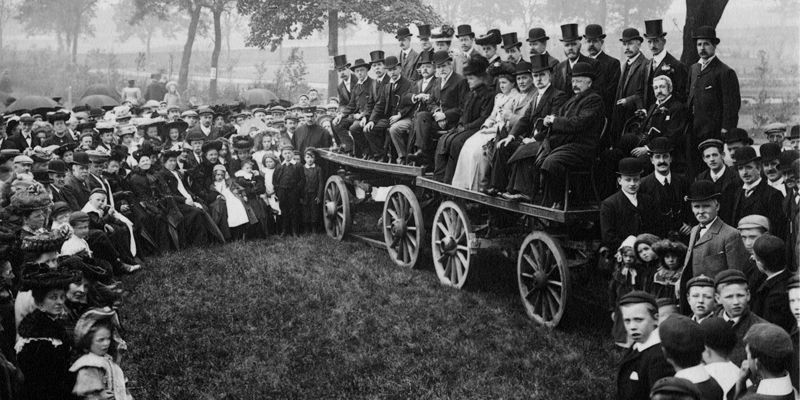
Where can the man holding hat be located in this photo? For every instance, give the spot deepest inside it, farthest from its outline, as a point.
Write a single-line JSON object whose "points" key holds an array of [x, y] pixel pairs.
{"points": [[726, 180], [537, 41], [756, 196], [733, 294], [713, 91], [347, 80], [357, 107], [662, 63], [683, 344], [770, 353], [668, 190], [607, 67], [770, 163], [632, 82], [562, 75], [408, 56]]}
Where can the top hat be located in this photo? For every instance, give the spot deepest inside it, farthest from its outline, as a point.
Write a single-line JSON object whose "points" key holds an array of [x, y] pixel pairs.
{"points": [[794, 132], [738, 135], [464, 30], [539, 63], [583, 69], [340, 62], [537, 35], [593, 31], [424, 58], [359, 63], [660, 145], [569, 33], [441, 57], [702, 190], [769, 151], [522, 67], [706, 32], [510, 40], [744, 155], [653, 29], [492, 37], [376, 56], [787, 160], [476, 65], [424, 31], [403, 33], [630, 166], [391, 62], [630, 34]]}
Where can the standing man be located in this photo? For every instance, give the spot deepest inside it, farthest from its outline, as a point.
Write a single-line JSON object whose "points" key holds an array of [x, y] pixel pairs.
{"points": [[756, 196], [310, 133], [631, 87], [466, 40], [608, 69], [425, 42], [726, 180], [663, 63], [408, 57], [668, 190], [562, 76], [627, 212], [512, 47], [713, 93], [155, 89], [537, 41]]}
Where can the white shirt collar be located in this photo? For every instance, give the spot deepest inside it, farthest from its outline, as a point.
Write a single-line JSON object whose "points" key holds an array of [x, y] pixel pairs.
{"points": [[727, 318], [632, 198], [779, 185], [694, 374], [426, 82], [206, 131], [597, 55], [651, 341], [446, 78], [541, 92], [774, 274], [631, 60], [715, 176], [361, 82], [663, 102], [752, 185], [658, 58], [572, 63], [775, 386], [662, 178], [700, 61]]}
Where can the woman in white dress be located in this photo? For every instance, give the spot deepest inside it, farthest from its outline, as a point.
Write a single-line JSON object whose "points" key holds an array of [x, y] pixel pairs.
{"points": [[473, 162]]}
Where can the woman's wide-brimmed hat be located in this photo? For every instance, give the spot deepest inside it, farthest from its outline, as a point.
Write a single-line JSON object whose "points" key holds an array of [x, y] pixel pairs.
{"points": [[34, 197], [42, 278], [43, 242]]}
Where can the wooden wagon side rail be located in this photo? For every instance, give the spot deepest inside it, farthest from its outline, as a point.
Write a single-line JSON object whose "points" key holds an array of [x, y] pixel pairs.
{"points": [[369, 165], [550, 214]]}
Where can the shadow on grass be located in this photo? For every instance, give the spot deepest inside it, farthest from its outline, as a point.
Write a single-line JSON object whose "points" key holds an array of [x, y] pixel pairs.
{"points": [[315, 318]]}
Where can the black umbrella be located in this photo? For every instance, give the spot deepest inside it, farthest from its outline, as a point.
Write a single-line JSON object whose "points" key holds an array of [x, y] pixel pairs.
{"points": [[102, 89], [32, 103], [99, 101], [258, 96]]}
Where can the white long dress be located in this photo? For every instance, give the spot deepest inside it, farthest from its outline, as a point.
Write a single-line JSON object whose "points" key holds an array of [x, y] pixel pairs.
{"points": [[473, 164], [237, 215]]}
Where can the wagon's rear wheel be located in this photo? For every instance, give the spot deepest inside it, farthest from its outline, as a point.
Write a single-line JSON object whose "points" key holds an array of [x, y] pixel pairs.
{"points": [[451, 239], [403, 228], [336, 208], [543, 278]]}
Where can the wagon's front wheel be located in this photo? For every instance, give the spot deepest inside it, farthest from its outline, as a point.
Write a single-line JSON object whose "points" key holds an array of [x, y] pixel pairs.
{"points": [[336, 208], [451, 241], [403, 228], [543, 278]]}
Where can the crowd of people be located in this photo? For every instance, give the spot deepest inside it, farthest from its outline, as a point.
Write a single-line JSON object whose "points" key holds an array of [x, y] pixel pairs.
{"points": [[700, 237]]}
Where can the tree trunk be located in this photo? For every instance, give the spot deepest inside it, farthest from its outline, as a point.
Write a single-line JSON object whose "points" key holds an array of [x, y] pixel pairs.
{"points": [[147, 45], [699, 13], [186, 57], [333, 47], [76, 31], [212, 86]]}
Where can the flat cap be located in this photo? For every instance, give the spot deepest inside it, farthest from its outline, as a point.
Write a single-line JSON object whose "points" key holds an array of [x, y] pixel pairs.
{"points": [[23, 159], [637, 297], [719, 334], [770, 340], [775, 127], [680, 333], [78, 217], [700, 281], [673, 385], [710, 143], [729, 276], [794, 282], [753, 221]]}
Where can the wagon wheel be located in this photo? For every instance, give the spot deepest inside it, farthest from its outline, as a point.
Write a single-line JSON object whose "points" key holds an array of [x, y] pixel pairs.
{"points": [[336, 208], [451, 239], [403, 228], [543, 278]]}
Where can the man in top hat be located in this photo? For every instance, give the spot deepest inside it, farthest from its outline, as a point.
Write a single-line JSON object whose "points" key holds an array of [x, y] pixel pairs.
{"points": [[513, 162], [626, 212], [477, 106], [347, 80], [771, 355], [425, 44], [733, 295], [562, 75], [714, 97], [390, 114], [346, 121], [662, 63], [205, 126], [466, 41], [607, 67], [408, 56], [537, 41], [512, 47], [60, 132], [668, 189], [756, 196], [683, 343], [770, 152], [726, 180], [489, 43], [574, 134], [632, 82], [442, 109], [310, 133], [24, 141]]}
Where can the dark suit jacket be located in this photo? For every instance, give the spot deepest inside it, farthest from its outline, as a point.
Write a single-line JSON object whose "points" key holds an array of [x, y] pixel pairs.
{"points": [[638, 371], [713, 99], [675, 70], [216, 133], [17, 141], [668, 120], [344, 94], [58, 141], [416, 88], [311, 136], [289, 177], [770, 301], [765, 200], [551, 101], [792, 212], [671, 209], [58, 195], [76, 193], [578, 124], [409, 65], [631, 87], [747, 320], [388, 103], [728, 185], [551, 61], [359, 98], [375, 91], [620, 219], [562, 75], [477, 107], [450, 98], [609, 70]]}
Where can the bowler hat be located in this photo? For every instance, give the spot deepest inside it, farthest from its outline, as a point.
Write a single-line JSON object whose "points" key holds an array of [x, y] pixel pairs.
{"points": [[702, 190], [424, 31], [769, 151], [679, 333], [424, 58], [582, 69], [359, 63], [769, 340], [660, 145], [492, 37], [630, 166], [710, 143], [706, 32], [794, 132], [464, 30], [675, 386], [57, 167], [729, 276], [754, 221], [80, 158], [569, 33], [719, 334], [510, 40], [522, 67], [391, 62], [787, 158], [539, 63], [340, 62], [700, 281], [593, 31], [738, 135], [744, 155], [537, 35], [376, 56], [476, 65], [42, 177], [441, 57], [653, 29], [403, 33], [630, 34], [638, 297]]}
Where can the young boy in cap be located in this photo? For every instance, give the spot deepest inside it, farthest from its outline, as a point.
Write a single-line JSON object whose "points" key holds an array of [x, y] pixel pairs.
{"points": [[720, 340], [700, 294], [644, 363], [289, 183], [769, 350], [733, 294], [769, 299], [683, 345], [672, 388]]}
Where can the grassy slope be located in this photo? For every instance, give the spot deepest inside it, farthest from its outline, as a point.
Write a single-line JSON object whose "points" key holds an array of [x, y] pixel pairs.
{"points": [[284, 319]]}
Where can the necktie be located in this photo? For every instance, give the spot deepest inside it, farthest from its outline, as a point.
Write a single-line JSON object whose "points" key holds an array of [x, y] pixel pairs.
{"points": [[402, 57], [655, 65], [625, 74], [731, 322], [748, 192], [703, 65], [703, 230]]}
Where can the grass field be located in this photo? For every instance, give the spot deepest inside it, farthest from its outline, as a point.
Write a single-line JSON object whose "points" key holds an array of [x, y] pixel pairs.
{"points": [[313, 318]]}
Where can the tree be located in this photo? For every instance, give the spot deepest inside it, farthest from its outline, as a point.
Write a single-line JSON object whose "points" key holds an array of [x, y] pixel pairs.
{"points": [[699, 13], [68, 19], [6, 11], [273, 20], [218, 7], [147, 26]]}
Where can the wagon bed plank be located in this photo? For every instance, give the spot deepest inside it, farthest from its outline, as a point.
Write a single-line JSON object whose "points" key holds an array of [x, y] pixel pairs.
{"points": [[369, 165]]}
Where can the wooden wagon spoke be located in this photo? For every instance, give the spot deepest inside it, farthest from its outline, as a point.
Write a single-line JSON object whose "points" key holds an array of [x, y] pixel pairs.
{"points": [[411, 239], [393, 214], [559, 284], [462, 247], [456, 270], [531, 262], [443, 229]]}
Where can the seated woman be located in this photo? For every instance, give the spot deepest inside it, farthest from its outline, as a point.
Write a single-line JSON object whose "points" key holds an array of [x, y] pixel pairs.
{"points": [[201, 179], [473, 162], [239, 216], [151, 208], [175, 133]]}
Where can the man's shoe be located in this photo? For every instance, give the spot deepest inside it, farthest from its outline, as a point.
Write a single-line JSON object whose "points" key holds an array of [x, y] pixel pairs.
{"points": [[131, 268]]}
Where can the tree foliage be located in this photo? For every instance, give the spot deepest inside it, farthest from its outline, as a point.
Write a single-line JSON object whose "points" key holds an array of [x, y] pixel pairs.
{"points": [[144, 27], [68, 19]]}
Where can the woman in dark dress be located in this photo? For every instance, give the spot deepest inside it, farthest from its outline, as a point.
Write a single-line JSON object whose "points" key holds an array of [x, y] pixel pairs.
{"points": [[155, 225], [201, 184]]}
